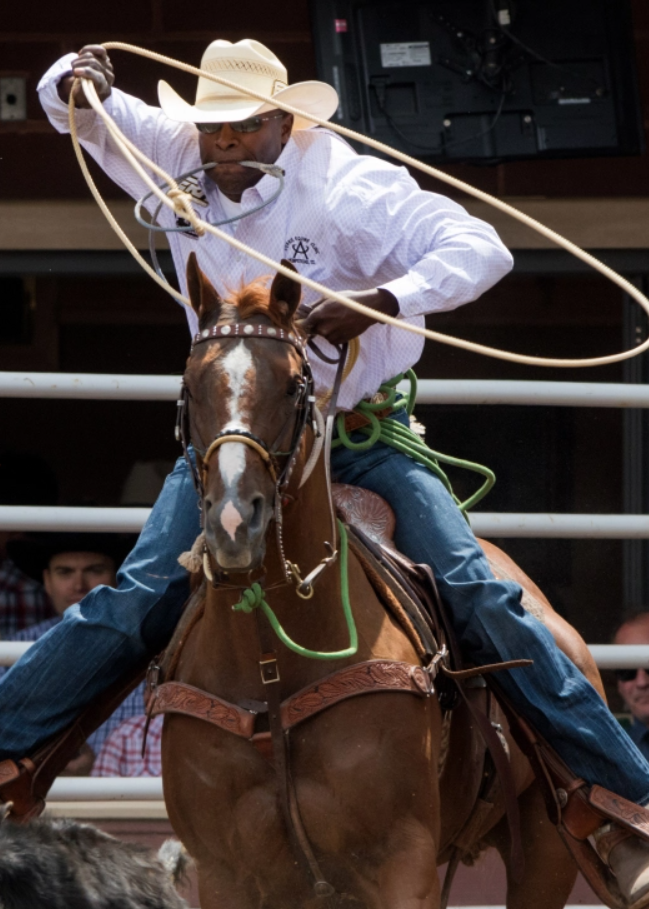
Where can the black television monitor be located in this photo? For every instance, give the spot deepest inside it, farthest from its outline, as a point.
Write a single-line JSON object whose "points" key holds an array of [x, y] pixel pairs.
{"points": [[483, 80]]}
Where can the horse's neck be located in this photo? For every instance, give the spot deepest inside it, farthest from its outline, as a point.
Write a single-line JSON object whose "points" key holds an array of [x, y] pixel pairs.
{"points": [[227, 645]]}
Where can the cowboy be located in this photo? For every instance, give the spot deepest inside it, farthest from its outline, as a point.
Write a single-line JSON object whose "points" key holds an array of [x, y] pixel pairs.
{"points": [[363, 226]]}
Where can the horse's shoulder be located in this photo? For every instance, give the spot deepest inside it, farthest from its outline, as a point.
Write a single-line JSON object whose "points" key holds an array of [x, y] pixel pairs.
{"points": [[191, 616]]}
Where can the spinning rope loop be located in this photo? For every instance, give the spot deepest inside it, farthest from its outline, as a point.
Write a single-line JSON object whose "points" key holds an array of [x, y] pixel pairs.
{"points": [[181, 203]]}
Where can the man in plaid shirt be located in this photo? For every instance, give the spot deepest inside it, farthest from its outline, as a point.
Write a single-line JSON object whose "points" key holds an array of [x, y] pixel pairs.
{"points": [[24, 480], [121, 754], [23, 601], [72, 564]]}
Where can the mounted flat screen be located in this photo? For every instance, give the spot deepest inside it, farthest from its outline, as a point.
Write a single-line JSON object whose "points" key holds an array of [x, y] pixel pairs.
{"points": [[484, 80]]}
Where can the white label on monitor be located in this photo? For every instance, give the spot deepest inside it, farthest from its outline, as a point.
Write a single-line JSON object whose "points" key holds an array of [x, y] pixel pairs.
{"points": [[406, 53]]}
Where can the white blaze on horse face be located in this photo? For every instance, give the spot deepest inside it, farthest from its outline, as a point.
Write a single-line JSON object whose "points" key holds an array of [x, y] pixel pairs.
{"points": [[230, 519], [237, 366]]}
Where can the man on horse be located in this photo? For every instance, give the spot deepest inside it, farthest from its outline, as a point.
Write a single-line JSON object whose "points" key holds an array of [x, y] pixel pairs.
{"points": [[358, 224]]}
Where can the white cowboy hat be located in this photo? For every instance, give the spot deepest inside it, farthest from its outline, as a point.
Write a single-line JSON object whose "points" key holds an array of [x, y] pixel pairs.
{"points": [[253, 66]]}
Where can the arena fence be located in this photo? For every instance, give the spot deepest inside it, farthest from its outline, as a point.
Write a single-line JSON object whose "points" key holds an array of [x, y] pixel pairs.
{"points": [[142, 797]]}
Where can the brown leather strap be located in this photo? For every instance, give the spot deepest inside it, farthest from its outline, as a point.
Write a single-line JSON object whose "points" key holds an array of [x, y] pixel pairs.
{"points": [[354, 420], [178, 697], [361, 678], [16, 788], [462, 674], [504, 771]]}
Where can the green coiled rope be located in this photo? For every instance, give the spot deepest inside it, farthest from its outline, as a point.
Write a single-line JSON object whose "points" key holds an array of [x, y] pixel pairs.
{"points": [[406, 440]]}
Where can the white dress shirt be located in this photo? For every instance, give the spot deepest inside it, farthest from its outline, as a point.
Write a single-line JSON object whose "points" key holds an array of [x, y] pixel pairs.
{"points": [[349, 221]]}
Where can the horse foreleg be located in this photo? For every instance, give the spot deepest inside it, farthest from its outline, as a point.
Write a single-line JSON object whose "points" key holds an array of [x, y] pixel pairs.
{"points": [[550, 872], [408, 878]]}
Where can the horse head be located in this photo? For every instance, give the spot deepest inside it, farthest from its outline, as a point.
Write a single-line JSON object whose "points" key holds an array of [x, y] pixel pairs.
{"points": [[247, 399]]}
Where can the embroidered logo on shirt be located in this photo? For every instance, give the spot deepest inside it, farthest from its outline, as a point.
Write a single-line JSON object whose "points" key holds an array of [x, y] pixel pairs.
{"points": [[299, 251], [192, 186]]}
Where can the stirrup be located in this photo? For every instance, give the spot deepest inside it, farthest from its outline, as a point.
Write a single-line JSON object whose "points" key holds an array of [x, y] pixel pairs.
{"points": [[577, 810], [17, 794]]}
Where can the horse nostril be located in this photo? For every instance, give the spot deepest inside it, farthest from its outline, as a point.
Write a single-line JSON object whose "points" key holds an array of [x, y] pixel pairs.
{"points": [[257, 512], [208, 504]]}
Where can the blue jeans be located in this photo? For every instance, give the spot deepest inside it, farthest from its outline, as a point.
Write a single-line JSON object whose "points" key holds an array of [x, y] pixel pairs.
{"points": [[98, 639], [491, 625]]}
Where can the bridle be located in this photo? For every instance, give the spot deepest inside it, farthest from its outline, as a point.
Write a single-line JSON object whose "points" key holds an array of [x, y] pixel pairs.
{"points": [[303, 414]]}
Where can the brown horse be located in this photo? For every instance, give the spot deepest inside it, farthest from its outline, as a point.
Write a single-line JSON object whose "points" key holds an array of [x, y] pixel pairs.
{"points": [[364, 782]]}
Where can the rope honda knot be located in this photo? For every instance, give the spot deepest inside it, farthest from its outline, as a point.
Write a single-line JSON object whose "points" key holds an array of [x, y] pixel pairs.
{"points": [[183, 207], [250, 599]]}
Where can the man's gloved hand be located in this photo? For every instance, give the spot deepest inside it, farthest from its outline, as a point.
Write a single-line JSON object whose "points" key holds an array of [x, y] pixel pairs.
{"points": [[338, 323], [92, 63]]}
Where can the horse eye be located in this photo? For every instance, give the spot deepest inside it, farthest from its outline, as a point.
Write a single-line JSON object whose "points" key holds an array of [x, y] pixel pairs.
{"points": [[293, 386]]}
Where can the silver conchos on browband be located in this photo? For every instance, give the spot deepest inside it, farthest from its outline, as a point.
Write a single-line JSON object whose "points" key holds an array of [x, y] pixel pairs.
{"points": [[248, 330]]}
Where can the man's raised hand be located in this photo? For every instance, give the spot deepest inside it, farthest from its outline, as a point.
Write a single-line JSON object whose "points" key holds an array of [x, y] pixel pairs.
{"points": [[92, 63]]}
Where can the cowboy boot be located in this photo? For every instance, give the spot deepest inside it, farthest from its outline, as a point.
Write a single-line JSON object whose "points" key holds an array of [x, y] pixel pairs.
{"points": [[17, 795], [627, 856]]}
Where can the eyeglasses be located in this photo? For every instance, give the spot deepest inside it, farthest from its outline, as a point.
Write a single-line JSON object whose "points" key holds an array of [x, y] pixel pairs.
{"points": [[251, 125], [627, 675]]}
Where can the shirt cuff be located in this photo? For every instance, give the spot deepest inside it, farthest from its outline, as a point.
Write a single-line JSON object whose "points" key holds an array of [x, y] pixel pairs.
{"points": [[413, 295], [55, 108]]}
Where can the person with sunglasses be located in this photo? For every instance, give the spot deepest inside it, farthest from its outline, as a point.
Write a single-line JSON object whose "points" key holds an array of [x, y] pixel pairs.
{"points": [[633, 684], [362, 226]]}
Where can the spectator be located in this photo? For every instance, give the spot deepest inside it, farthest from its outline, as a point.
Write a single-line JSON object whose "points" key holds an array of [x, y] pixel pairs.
{"points": [[25, 479], [121, 754], [70, 565], [633, 684]]}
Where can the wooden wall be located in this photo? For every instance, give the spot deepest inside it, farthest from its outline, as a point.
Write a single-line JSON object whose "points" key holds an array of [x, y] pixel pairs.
{"points": [[36, 164]]}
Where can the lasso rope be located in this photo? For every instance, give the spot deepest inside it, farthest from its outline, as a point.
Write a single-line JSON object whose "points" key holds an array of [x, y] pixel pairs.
{"points": [[406, 440], [255, 598], [181, 204]]}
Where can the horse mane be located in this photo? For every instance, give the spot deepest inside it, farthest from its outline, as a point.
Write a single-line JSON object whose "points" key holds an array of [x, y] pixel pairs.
{"points": [[255, 299]]}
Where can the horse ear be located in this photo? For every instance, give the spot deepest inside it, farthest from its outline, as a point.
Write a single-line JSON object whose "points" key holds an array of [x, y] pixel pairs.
{"points": [[203, 297], [285, 293]]}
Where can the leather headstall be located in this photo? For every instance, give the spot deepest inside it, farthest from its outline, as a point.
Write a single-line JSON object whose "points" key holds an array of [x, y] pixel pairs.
{"points": [[269, 454]]}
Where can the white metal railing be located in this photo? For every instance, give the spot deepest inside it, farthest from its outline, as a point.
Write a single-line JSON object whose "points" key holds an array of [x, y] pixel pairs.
{"points": [[53, 517], [484, 523], [487, 524], [430, 391], [607, 656], [106, 789]]}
